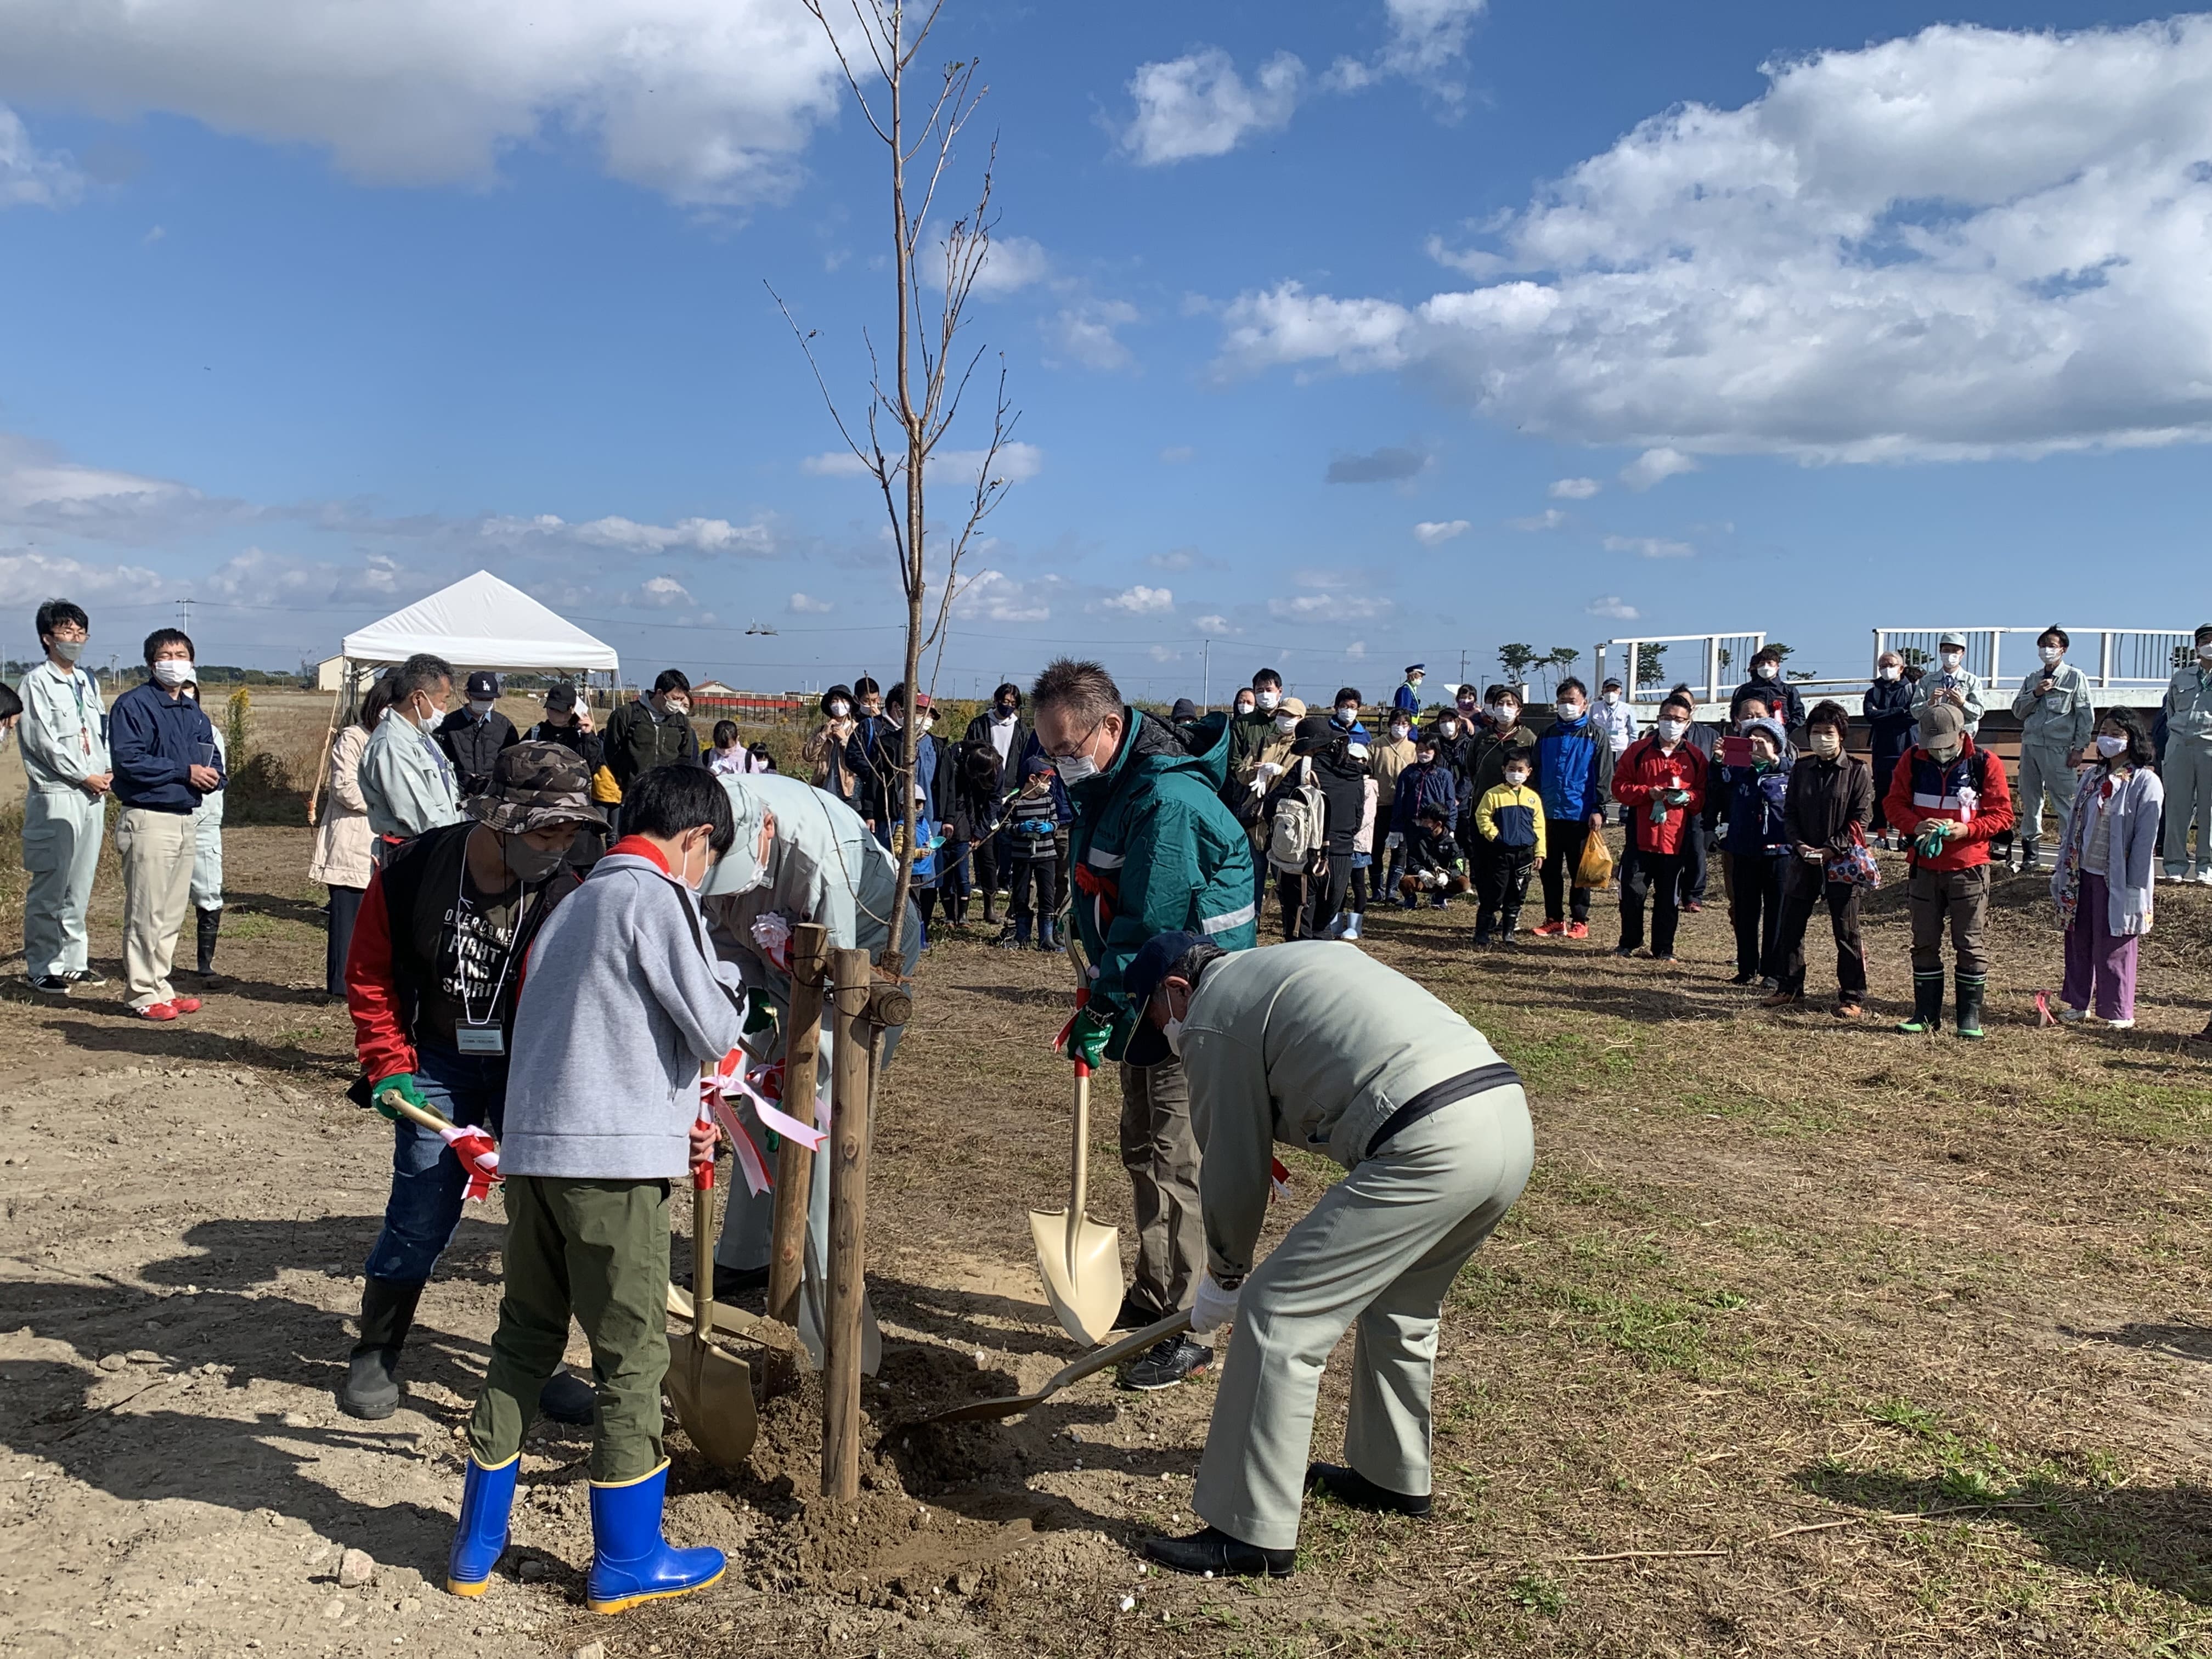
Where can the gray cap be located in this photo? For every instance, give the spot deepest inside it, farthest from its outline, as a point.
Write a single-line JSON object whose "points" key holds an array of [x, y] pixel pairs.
{"points": [[1942, 719], [1951, 637]]}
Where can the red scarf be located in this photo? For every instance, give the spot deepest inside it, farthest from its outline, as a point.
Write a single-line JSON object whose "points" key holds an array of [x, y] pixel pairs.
{"points": [[638, 846]]}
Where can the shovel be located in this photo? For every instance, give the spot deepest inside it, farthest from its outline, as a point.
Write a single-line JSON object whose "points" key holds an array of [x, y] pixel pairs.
{"points": [[711, 1388], [1080, 1260], [1014, 1405]]}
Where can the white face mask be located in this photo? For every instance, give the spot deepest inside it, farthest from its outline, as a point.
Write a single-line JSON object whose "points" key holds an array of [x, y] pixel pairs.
{"points": [[1503, 714], [2204, 650], [927, 721], [2110, 747], [679, 707], [1347, 717], [1765, 670], [422, 719], [480, 707], [1267, 699], [68, 650], [839, 709], [2050, 653], [1953, 659], [1173, 1032], [1244, 708], [1944, 751], [1611, 698], [1449, 728], [1569, 711], [1398, 734], [1285, 724], [1826, 743], [1516, 778], [1073, 769], [1670, 730], [170, 672], [1889, 671]]}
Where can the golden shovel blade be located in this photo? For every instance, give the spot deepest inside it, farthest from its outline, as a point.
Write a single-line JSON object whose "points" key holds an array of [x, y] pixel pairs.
{"points": [[1082, 1274], [712, 1390]]}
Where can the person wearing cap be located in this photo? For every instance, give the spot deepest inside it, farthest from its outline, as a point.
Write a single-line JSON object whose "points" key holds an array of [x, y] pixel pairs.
{"points": [[1318, 1046], [2056, 724], [1782, 700], [1154, 851], [622, 1004], [1615, 718], [569, 722], [1750, 799], [1406, 700], [801, 855], [2186, 765], [473, 735], [1948, 798], [1032, 819], [1951, 674], [437, 959], [1830, 798]]}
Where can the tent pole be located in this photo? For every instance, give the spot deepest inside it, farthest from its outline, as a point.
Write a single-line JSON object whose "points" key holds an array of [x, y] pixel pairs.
{"points": [[323, 763]]}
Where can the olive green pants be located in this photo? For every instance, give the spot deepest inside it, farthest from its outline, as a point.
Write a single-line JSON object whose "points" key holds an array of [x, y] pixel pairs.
{"points": [[598, 1251]]}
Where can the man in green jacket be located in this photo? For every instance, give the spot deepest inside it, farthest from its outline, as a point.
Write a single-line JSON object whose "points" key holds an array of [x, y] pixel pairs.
{"points": [[653, 730], [1153, 850], [2056, 721], [1316, 1045]]}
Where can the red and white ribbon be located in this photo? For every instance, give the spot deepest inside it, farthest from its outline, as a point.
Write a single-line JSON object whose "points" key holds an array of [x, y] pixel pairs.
{"points": [[479, 1155], [1278, 1179]]}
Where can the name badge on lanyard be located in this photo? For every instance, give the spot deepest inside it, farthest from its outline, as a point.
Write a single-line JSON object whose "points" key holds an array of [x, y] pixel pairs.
{"points": [[479, 1039]]}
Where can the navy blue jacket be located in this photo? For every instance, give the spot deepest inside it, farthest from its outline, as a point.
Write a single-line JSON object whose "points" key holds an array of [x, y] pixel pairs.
{"points": [[1574, 769], [1420, 786], [1754, 802], [154, 741], [1887, 707]]}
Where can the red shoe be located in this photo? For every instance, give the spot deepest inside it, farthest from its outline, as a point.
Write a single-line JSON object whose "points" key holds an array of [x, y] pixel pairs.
{"points": [[157, 1010], [1579, 930], [186, 1005], [1549, 929]]}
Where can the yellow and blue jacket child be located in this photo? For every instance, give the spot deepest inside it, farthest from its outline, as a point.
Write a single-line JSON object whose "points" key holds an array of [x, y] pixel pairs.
{"points": [[1509, 818]]}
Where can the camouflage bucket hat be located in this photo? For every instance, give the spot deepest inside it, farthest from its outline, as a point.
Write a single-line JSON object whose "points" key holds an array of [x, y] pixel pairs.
{"points": [[536, 786]]}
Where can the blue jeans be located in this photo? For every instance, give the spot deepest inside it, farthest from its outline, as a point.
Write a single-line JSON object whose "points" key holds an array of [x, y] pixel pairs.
{"points": [[424, 1210]]}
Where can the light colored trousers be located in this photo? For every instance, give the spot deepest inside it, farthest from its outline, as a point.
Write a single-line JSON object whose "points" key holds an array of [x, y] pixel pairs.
{"points": [[2043, 774], [62, 831], [2187, 776], [1381, 1248], [207, 861], [156, 849]]}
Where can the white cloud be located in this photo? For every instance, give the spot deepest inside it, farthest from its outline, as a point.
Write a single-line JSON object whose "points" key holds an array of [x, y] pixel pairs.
{"points": [[41, 488], [1214, 624], [259, 577], [1550, 519], [1963, 243], [28, 179], [1142, 601], [1165, 653], [31, 577], [1654, 465], [803, 604], [1436, 533], [1648, 547], [1018, 462], [1329, 607], [1176, 558], [688, 535], [994, 596], [1573, 489], [1084, 330], [1199, 105], [1610, 606], [1428, 36], [662, 592], [1010, 264], [1356, 650], [706, 101], [1177, 454]]}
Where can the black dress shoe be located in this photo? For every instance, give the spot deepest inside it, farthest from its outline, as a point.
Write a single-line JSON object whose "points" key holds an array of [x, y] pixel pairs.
{"points": [[1170, 1360], [1350, 1486], [1130, 1316], [1216, 1555], [567, 1398]]}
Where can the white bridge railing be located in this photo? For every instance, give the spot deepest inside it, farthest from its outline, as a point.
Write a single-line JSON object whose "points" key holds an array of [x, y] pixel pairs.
{"points": [[2114, 659], [1646, 673]]}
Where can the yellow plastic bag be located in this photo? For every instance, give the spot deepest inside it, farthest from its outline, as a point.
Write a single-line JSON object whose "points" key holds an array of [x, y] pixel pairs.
{"points": [[1594, 870]]}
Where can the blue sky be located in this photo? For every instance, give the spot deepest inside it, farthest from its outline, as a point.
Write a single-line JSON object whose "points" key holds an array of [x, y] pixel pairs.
{"points": [[1803, 320]]}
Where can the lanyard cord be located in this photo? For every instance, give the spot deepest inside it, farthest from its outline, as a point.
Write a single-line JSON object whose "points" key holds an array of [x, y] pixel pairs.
{"points": [[507, 961]]}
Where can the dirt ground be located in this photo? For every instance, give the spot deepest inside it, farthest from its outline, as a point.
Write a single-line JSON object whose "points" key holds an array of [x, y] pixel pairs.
{"points": [[1806, 1338]]}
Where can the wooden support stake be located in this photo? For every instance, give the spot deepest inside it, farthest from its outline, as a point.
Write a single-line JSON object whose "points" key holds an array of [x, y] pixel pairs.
{"points": [[794, 1164], [848, 1227]]}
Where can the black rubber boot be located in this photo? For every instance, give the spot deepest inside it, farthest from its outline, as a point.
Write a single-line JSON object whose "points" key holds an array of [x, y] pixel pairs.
{"points": [[387, 1314], [1971, 990], [1352, 1487], [210, 925], [1216, 1555], [1927, 1005]]}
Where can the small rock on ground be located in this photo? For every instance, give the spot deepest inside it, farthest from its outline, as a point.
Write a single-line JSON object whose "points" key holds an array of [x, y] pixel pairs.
{"points": [[358, 1568]]}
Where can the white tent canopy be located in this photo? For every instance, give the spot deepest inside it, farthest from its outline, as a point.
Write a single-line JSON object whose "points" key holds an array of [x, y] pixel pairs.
{"points": [[481, 622]]}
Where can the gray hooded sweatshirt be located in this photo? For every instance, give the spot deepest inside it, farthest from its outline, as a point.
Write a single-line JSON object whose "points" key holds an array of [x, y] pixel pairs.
{"points": [[620, 1007]]}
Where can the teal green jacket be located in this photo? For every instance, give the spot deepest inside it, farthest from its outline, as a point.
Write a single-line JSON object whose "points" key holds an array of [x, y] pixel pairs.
{"points": [[1154, 851]]}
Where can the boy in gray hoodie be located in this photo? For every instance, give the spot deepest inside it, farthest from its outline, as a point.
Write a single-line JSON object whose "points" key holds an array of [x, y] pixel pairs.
{"points": [[622, 1007]]}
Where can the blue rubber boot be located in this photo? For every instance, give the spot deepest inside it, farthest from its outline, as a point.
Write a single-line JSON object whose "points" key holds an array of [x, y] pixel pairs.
{"points": [[487, 1496], [631, 1562]]}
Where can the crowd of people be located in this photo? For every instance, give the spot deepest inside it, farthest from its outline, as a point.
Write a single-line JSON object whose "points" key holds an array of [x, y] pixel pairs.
{"points": [[544, 937]]}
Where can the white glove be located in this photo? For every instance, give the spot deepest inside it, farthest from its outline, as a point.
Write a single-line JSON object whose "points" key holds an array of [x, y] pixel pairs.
{"points": [[1393, 842], [1213, 1307], [1269, 768]]}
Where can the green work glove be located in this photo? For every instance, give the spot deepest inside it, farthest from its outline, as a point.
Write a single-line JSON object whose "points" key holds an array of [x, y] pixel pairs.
{"points": [[760, 1015], [400, 1085], [1085, 1038]]}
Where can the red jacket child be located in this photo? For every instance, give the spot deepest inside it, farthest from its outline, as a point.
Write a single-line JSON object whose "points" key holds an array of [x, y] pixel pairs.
{"points": [[1641, 774]]}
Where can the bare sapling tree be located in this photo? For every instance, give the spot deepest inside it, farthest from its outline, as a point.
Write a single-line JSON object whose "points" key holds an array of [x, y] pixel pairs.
{"points": [[911, 412]]}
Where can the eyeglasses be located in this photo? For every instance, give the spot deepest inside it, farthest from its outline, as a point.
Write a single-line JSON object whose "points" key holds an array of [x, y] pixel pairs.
{"points": [[1081, 743]]}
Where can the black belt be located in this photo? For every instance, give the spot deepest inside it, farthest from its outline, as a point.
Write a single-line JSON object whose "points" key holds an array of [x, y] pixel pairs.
{"points": [[1437, 1095]]}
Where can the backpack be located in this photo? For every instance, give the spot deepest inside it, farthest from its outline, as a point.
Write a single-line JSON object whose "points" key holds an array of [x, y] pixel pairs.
{"points": [[1300, 829]]}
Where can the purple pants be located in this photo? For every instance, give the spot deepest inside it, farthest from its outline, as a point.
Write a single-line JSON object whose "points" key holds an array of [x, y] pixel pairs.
{"points": [[2095, 960]]}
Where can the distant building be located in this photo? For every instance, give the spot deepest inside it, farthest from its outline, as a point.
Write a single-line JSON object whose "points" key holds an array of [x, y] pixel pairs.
{"points": [[329, 674]]}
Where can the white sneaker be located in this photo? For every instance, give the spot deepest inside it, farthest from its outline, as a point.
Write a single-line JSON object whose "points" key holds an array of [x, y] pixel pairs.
{"points": [[2071, 1015], [2204, 875], [2119, 1025], [1351, 929]]}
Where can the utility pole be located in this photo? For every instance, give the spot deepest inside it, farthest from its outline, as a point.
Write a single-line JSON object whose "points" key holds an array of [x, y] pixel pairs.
{"points": [[1205, 676], [1462, 668], [185, 615]]}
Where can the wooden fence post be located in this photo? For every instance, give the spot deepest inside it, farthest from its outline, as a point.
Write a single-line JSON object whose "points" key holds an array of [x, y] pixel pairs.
{"points": [[848, 1228], [794, 1164]]}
